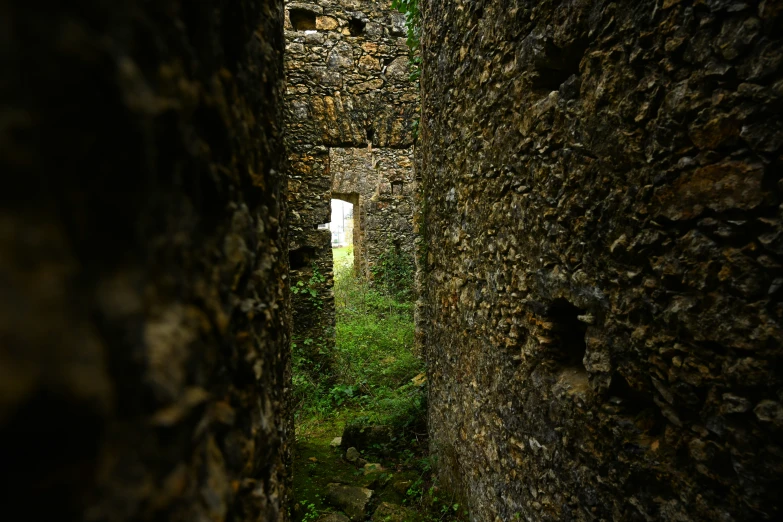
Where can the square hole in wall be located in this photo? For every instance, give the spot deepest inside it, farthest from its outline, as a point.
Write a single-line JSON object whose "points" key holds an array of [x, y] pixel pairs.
{"points": [[301, 257], [302, 19], [569, 330], [397, 188], [356, 26]]}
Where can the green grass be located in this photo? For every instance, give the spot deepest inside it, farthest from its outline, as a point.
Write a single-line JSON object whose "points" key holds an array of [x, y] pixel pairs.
{"points": [[372, 362], [368, 381], [342, 255]]}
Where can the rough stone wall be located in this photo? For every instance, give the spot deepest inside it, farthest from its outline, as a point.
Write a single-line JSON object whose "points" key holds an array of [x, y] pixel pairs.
{"points": [[143, 309], [602, 296], [381, 186], [348, 96]]}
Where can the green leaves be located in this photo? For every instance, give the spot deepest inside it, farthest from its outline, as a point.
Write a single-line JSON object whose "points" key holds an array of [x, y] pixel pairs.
{"points": [[410, 8], [311, 287], [370, 367]]}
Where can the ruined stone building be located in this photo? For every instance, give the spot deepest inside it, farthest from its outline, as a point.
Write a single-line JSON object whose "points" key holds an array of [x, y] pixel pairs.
{"points": [[602, 285], [144, 336], [350, 117], [600, 248]]}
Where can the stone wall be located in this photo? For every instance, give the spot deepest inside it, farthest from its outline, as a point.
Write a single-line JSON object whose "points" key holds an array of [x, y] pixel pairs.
{"points": [[381, 186], [350, 117], [143, 311], [602, 288]]}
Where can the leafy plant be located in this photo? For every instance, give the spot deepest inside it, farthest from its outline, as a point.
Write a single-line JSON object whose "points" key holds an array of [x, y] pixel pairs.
{"points": [[415, 491], [410, 8], [311, 287], [311, 511], [342, 392]]}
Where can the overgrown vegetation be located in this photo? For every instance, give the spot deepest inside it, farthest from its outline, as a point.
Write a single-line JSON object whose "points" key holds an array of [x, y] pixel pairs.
{"points": [[410, 8], [372, 378], [393, 273], [372, 363]]}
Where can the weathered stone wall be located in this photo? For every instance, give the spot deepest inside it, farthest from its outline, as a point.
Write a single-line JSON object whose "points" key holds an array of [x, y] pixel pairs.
{"points": [[348, 97], [381, 186], [602, 222], [143, 311]]}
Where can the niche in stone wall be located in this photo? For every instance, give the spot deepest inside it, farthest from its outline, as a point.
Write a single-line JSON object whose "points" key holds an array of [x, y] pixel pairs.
{"points": [[356, 26], [396, 187], [556, 64], [568, 331], [302, 19], [301, 257]]}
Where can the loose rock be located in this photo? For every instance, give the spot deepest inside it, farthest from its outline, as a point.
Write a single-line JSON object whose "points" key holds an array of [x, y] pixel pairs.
{"points": [[351, 500], [388, 512]]}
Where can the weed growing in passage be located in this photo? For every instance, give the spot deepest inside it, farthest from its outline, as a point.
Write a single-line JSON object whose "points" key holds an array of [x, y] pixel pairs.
{"points": [[372, 362]]}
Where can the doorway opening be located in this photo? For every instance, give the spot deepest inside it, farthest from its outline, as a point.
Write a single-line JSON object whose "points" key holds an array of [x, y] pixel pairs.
{"points": [[346, 228], [341, 224], [342, 228], [360, 405]]}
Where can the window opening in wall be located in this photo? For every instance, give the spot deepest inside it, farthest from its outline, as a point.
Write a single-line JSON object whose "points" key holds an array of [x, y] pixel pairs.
{"points": [[396, 188], [301, 257], [370, 134], [356, 27], [302, 19]]}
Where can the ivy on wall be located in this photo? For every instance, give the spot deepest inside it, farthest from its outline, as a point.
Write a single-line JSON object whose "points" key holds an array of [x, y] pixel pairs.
{"points": [[410, 8]]}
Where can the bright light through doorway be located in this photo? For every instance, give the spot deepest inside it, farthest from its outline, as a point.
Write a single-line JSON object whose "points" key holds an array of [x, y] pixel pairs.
{"points": [[341, 225]]}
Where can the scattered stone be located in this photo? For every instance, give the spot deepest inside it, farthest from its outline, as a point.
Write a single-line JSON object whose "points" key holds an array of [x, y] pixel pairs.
{"points": [[388, 512], [352, 500], [352, 455], [402, 486], [371, 467], [364, 436], [336, 442]]}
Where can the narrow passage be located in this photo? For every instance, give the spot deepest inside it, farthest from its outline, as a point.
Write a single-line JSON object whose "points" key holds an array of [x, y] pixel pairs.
{"points": [[361, 447]]}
